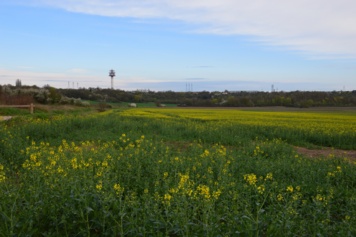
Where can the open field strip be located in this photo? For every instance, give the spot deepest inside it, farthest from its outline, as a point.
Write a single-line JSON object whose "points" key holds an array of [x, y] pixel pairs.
{"points": [[316, 128], [336, 122], [176, 172]]}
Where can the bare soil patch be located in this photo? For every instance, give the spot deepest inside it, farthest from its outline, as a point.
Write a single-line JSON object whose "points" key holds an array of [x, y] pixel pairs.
{"points": [[5, 118], [327, 153]]}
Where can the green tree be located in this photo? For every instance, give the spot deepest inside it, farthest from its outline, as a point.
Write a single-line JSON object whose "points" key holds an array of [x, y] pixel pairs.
{"points": [[138, 98], [54, 97]]}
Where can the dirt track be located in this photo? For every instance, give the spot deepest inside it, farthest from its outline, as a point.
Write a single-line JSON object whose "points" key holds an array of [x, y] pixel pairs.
{"points": [[5, 117], [327, 153]]}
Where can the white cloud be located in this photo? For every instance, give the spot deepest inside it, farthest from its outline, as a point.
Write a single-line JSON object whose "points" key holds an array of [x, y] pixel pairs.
{"points": [[318, 28]]}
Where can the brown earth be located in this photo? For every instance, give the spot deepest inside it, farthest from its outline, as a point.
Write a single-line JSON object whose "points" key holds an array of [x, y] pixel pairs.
{"points": [[5, 118], [327, 153]]}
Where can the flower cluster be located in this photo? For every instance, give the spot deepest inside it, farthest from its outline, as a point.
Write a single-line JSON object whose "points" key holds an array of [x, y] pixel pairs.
{"points": [[2, 173]]}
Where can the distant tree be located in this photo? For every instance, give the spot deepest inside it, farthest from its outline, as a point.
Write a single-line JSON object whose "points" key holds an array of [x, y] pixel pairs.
{"points": [[53, 97], [18, 83], [138, 98], [214, 101]]}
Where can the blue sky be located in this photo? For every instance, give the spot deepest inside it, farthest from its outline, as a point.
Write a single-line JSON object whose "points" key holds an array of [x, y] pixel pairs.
{"points": [[212, 45]]}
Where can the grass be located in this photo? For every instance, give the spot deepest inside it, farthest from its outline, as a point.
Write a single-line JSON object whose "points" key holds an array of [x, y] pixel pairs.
{"points": [[125, 104], [163, 172], [13, 111]]}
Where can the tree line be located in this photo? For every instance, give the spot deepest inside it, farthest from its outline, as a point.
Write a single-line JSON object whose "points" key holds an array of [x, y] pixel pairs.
{"points": [[50, 95], [223, 99]]}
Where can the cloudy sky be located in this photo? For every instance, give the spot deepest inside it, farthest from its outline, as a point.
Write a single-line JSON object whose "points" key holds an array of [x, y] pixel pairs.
{"points": [[177, 45]]}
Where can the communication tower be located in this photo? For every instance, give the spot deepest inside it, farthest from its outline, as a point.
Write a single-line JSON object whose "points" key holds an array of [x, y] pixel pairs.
{"points": [[112, 74]]}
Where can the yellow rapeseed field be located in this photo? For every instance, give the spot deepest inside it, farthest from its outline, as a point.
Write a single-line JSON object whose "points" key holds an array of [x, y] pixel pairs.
{"points": [[325, 123], [176, 172]]}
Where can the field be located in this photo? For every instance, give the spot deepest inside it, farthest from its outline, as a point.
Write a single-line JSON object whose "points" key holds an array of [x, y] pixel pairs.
{"points": [[178, 172]]}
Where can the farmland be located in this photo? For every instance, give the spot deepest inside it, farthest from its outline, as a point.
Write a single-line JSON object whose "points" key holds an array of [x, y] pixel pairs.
{"points": [[177, 172]]}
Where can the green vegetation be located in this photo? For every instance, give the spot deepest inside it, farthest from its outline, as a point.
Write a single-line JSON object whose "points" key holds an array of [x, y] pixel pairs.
{"points": [[299, 99], [174, 172], [14, 111], [85, 96]]}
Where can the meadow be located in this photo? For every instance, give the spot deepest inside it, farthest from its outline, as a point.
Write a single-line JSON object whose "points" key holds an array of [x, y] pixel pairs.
{"points": [[177, 172]]}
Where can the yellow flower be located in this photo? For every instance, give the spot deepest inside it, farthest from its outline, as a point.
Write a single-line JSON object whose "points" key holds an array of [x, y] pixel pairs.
{"points": [[319, 197], [296, 196], [205, 154], [204, 191], [189, 192], [290, 189], [165, 175], [104, 163], [183, 179], [60, 170], [279, 197], [74, 163], [167, 198], [269, 176], [118, 189], [33, 157], [261, 189], [216, 194], [291, 211], [331, 174], [99, 186], [251, 179], [173, 190], [2, 177]]}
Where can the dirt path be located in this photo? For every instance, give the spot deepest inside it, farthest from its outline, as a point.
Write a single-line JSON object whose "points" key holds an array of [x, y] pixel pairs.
{"points": [[5, 117], [327, 152]]}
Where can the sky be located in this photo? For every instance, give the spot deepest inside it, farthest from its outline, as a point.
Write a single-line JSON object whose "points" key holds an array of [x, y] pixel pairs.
{"points": [[195, 45]]}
